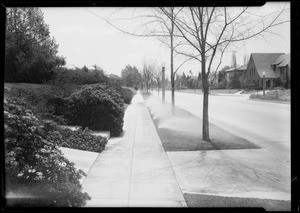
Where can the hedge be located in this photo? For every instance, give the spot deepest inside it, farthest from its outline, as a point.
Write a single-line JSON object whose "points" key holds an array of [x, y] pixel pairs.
{"points": [[126, 94], [83, 140], [44, 101], [33, 163], [98, 107]]}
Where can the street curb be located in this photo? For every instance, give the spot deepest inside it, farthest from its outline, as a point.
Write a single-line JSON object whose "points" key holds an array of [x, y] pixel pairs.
{"points": [[183, 202]]}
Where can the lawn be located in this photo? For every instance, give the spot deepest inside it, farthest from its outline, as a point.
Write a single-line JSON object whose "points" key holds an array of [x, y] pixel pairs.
{"points": [[273, 95], [213, 91], [183, 131], [212, 201]]}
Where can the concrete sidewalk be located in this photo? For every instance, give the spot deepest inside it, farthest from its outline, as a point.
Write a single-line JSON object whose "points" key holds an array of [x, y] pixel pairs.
{"points": [[134, 170]]}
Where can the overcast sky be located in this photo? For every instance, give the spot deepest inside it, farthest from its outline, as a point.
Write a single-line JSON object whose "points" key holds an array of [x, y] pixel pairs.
{"points": [[85, 39]]}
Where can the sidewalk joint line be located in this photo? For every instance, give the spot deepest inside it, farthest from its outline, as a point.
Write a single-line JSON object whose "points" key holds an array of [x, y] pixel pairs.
{"points": [[91, 168], [130, 176]]}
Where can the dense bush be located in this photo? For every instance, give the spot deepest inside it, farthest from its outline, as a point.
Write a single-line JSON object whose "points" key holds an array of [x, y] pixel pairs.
{"points": [[234, 82], [34, 165], [42, 101], [274, 95], [126, 94], [82, 139], [68, 77], [98, 107]]}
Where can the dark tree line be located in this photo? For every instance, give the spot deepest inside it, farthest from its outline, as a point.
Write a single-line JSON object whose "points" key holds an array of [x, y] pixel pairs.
{"points": [[30, 52]]}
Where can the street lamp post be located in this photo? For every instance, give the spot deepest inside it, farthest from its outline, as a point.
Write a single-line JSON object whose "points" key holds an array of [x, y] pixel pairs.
{"points": [[264, 83]]}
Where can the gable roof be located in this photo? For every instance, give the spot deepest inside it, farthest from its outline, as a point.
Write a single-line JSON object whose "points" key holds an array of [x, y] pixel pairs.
{"points": [[230, 69], [263, 62], [244, 67], [282, 60]]}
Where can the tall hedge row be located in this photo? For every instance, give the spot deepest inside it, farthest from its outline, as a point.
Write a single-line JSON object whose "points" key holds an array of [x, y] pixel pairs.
{"points": [[98, 107], [126, 94]]}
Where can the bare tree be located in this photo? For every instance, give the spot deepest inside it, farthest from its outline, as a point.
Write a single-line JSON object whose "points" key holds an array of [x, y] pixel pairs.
{"points": [[167, 28], [160, 26], [233, 60], [157, 73], [208, 31], [148, 73], [246, 59], [96, 67]]}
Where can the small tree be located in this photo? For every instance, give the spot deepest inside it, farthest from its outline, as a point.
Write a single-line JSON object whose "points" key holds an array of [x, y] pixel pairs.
{"points": [[234, 82], [130, 76], [148, 70], [208, 31], [157, 75], [233, 60], [85, 69]]}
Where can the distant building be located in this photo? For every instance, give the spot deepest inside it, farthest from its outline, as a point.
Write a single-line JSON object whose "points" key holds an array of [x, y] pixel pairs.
{"points": [[282, 68], [275, 66], [240, 71]]}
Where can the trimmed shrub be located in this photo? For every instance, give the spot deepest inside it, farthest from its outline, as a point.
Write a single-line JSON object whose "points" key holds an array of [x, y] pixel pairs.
{"points": [[98, 107], [79, 77], [39, 101], [34, 165], [274, 95], [126, 94], [83, 140]]}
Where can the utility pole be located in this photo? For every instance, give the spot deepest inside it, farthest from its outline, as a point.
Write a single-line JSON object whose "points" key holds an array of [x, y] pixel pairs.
{"points": [[163, 84]]}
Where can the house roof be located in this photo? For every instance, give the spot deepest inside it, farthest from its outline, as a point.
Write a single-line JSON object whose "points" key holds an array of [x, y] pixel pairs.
{"points": [[244, 67], [230, 70], [239, 68], [283, 60], [263, 62]]}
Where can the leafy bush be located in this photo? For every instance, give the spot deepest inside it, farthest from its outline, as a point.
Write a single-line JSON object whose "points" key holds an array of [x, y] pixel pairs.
{"points": [[274, 95], [98, 107], [65, 76], [39, 101], [126, 94], [82, 139], [34, 165], [234, 82]]}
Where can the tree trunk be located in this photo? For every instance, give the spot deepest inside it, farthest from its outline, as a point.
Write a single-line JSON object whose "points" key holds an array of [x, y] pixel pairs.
{"points": [[205, 124], [147, 87], [205, 86], [172, 67]]}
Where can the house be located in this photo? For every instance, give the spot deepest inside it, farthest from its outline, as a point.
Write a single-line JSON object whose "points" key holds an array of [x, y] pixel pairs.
{"points": [[275, 67], [240, 71], [282, 68]]}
